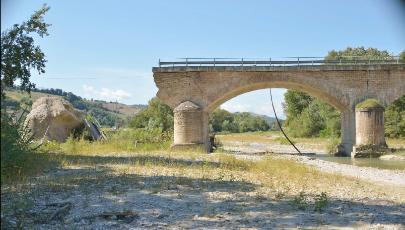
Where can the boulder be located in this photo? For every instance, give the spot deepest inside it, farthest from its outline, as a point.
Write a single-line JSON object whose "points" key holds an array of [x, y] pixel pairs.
{"points": [[53, 118]]}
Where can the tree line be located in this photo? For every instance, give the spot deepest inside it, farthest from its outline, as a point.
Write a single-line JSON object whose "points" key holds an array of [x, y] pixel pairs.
{"points": [[159, 115]]}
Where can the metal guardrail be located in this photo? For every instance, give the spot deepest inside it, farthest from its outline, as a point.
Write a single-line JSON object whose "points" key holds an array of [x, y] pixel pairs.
{"points": [[288, 61]]}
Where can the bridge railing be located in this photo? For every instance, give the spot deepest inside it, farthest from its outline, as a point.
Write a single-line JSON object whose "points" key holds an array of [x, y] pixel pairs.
{"points": [[287, 61]]}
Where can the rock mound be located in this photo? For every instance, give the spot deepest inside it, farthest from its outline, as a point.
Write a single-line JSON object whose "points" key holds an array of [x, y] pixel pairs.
{"points": [[53, 118]]}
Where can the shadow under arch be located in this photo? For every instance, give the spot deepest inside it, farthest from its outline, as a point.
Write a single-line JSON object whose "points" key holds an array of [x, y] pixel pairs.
{"points": [[316, 92]]}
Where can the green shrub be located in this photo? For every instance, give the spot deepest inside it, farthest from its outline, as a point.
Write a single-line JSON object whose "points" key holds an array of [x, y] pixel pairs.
{"points": [[222, 121], [156, 115], [19, 157], [394, 117], [301, 201], [369, 103], [321, 201]]}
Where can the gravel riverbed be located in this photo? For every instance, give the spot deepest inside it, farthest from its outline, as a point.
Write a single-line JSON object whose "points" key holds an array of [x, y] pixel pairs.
{"points": [[256, 151]]}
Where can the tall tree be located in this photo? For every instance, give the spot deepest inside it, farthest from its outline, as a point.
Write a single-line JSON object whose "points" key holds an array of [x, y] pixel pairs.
{"points": [[19, 54], [395, 118], [402, 56], [350, 53], [156, 115]]}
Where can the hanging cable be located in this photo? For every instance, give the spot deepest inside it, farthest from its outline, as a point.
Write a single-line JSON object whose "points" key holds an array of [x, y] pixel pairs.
{"points": [[279, 125]]}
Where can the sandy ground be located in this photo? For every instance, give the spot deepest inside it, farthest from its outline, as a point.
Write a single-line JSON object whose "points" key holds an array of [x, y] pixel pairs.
{"points": [[96, 198]]}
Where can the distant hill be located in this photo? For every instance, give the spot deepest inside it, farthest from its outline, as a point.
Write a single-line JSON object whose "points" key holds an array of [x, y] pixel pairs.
{"points": [[127, 110], [107, 113], [268, 119]]}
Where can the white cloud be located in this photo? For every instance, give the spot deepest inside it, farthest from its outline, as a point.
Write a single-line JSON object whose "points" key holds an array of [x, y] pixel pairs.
{"points": [[114, 94], [267, 109], [105, 93], [235, 107]]}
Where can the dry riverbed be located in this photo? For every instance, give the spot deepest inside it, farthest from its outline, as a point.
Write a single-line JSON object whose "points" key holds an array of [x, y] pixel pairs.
{"points": [[197, 191]]}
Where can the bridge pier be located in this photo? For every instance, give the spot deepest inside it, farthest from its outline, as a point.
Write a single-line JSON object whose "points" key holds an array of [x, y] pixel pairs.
{"points": [[190, 127], [370, 135], [348, 132]]}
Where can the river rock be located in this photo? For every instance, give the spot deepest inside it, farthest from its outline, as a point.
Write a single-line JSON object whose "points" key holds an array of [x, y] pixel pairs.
{"points": [[367, 151], [53, 118]]}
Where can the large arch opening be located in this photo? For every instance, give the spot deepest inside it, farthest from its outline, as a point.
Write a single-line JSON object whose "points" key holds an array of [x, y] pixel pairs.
{"points": [[270, 140]]}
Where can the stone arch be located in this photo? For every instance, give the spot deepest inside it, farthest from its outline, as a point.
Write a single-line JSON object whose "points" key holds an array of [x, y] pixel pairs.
{"points": [[342, 86], [313, 91]]}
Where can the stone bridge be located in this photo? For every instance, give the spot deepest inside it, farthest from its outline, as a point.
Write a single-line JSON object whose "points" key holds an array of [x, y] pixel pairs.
{"points": [[195, 89]]}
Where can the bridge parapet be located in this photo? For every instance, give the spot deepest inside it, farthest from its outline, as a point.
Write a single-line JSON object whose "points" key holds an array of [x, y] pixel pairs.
{"points": [[269, 64], [344, 67]]}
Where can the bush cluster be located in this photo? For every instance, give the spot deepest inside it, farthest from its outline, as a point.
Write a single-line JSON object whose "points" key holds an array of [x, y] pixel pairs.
{"points": [[310, 117], [156, 115], [224, 121], [19, 156]]}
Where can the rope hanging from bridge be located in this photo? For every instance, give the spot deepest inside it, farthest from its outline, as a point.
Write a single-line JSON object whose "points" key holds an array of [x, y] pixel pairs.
{"points": [[279, 125]]}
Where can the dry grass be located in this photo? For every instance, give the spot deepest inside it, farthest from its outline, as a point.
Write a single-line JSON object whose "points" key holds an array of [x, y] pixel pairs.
{"points": [[271, 175], [275, 137], [160, 171], [259, 137], [397, 143], [287, 177], [270, 137]]}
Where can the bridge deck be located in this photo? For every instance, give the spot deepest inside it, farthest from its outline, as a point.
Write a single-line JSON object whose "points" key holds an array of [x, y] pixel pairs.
{"points": [[345, 67]]}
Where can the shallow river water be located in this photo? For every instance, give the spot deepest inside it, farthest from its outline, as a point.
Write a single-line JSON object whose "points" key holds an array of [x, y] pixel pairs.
{"points": [[365, 162]]}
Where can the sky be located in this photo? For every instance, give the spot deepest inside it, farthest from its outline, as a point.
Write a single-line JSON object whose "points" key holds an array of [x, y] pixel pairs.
{"points": [[106, 49]]}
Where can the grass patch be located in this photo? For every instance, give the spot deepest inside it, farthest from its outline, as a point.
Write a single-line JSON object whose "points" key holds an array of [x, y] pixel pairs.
{"points": [[127, 140], [283, 141], [369, 103]]}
